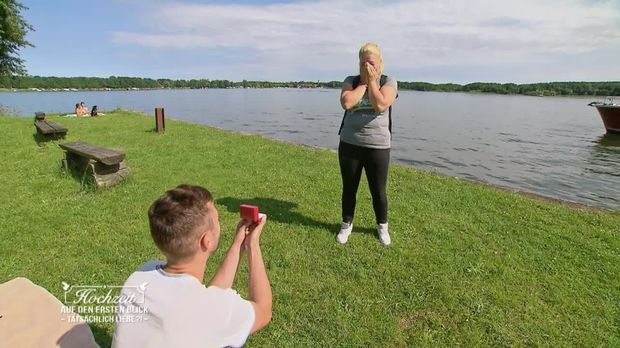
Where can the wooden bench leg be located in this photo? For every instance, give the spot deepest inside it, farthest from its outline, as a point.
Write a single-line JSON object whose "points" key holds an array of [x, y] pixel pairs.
{"points": [[106, 176], [50, 136], [78, 167], [97, 173]]}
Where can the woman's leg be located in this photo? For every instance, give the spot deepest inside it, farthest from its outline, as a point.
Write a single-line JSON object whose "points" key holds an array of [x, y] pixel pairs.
{"points": [[350, 158], [376, 166]]}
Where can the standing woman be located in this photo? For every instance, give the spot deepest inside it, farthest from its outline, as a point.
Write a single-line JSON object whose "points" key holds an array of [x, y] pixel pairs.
{"points": [[365, 139]]}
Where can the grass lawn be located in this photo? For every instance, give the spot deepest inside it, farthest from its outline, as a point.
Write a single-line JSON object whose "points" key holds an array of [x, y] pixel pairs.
{"points": [[469, 265]]}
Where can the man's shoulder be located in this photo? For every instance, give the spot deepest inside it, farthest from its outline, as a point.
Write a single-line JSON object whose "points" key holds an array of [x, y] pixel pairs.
{"points": [[146, 272], [224, 294], [228, 298]]}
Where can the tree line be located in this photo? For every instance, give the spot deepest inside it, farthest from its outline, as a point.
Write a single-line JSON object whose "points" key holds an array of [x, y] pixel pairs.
{"points": [[610, 88]]}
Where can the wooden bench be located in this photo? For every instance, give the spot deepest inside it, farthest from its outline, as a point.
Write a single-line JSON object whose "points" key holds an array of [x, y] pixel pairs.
{"points": [[106, 167], [48, 129]]}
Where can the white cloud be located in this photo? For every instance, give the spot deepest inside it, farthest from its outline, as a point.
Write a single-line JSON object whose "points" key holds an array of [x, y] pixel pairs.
{"points": [[325, 35]]}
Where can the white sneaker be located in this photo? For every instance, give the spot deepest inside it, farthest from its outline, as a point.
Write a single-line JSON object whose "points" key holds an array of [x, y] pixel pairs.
{"points": [[384, 236], [345, 232]]}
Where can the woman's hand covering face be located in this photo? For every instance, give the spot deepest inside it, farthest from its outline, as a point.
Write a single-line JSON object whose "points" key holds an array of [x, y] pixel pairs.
{"points": [[371, 72]]}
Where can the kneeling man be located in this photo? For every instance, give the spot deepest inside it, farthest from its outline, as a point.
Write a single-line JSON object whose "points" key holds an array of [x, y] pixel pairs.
{"points": [[166, 304]]}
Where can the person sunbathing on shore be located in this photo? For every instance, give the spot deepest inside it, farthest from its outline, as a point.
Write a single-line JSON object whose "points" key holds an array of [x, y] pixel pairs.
{"points": [[78, 110], [84, 109], [81, 109]]}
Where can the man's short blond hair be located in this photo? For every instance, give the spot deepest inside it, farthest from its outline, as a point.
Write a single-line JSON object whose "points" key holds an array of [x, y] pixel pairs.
{"points": [[177, 218]]}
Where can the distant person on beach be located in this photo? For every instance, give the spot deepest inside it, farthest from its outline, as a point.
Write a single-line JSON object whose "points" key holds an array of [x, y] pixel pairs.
{"points": [[78, 110], [84, 108], [81, 109], [365, 139], [171, 306], [93, 112]]}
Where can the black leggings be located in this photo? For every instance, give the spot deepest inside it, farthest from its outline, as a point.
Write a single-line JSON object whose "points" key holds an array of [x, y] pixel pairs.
{"points": [[375, 163]]}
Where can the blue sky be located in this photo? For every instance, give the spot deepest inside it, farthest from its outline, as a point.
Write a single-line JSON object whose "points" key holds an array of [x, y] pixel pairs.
{"points": [[422, 40]]}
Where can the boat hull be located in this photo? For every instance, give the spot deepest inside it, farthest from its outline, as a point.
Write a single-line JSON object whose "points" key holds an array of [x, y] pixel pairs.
{"points": [[610, 116]]}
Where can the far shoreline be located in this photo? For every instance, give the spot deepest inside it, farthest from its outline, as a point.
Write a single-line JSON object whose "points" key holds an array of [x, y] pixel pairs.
{"points": [[134, 89]]}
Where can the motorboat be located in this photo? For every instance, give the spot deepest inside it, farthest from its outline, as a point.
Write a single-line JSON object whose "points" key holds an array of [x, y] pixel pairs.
{"points": [[610, 113]]}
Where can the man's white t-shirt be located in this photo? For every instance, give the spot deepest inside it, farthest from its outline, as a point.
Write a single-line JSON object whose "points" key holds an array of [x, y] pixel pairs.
{"points": [[160, 309]]}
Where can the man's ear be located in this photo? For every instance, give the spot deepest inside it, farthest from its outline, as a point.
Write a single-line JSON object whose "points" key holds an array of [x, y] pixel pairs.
{"points": [[205, 241]]}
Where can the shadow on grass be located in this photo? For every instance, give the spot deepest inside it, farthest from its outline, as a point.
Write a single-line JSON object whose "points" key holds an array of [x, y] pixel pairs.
{"points": [[102, 336], [79, 176], [42, 140], [82, 176], [283, 211]]}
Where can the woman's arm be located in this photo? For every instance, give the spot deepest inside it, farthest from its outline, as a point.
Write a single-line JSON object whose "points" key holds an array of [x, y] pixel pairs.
{"points": [[349, 96], [381, 98]]}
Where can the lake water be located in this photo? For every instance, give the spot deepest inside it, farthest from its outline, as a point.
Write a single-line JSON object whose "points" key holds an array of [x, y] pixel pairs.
{"points": [[555, 147]]}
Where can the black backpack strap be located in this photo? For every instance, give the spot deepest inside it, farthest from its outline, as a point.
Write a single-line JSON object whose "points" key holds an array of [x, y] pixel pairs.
{"points": [[382, 82], [354, 83]]}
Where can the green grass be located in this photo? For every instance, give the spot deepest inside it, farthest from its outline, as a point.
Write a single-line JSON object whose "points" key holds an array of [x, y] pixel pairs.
{"points": [[469, 265]]}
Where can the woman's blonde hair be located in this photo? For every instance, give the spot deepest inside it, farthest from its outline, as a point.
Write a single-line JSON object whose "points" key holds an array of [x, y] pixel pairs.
{"points": [[371, 47]]}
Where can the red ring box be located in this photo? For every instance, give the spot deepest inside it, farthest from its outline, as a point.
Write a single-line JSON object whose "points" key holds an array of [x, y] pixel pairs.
{"points": [[249, 212]]}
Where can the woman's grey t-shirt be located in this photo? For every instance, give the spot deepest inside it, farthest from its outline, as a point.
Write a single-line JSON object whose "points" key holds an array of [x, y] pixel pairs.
{"points": [[363, 126]]}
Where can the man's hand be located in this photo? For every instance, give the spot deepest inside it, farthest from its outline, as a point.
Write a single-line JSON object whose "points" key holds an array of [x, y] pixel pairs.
{"points": [[253, 233], [242, 231]]}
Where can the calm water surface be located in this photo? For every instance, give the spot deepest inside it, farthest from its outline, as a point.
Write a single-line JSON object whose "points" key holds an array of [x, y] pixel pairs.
{"points": [[554, 147]]}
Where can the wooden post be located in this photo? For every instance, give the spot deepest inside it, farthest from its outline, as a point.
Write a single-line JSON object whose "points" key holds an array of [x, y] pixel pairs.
{"points": [[160, 121]]}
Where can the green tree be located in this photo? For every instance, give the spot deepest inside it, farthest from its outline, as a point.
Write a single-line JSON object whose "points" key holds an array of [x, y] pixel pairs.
{"points": [[13, 30]]}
